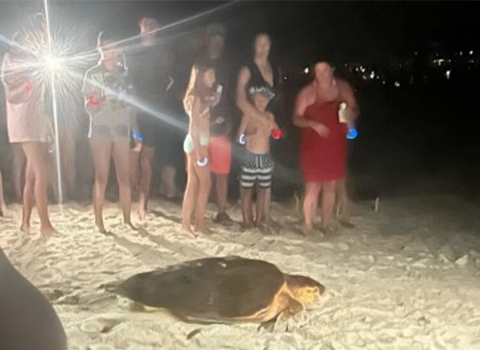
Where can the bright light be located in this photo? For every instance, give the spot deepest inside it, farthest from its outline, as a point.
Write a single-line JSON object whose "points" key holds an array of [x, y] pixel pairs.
{"points": [[306, 70], [447, 74], [372, 75], [397, 84], [471, 53], [53, 63]]}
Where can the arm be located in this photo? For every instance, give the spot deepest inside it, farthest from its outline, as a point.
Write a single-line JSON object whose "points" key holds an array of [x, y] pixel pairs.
{"points": [[242, 128], [348, 97], [189, 97], [242, 101], [14, 79], [301, 105], [194, 129]]}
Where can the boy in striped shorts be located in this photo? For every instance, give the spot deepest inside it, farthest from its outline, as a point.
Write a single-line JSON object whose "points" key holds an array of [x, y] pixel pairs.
{"points": [[257, 165]]}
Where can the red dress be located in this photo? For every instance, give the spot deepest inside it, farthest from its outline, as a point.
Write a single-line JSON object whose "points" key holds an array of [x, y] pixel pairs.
{"points": [[324, 158]]}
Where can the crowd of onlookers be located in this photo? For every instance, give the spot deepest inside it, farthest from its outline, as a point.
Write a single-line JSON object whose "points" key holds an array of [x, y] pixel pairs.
{"points": [[133, 122]]}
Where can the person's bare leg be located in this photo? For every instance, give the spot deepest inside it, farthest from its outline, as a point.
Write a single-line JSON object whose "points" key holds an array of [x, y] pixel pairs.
{"points": [[189, 198], [18, 170], [263, 212], [36, 153], [328, 203], [204, 182], [28, 198], [310, 204], [135, 173], [147, 157], [101, 151], [167, 178], [247, 212], [344, 202], [221, 196], [121, 159]]}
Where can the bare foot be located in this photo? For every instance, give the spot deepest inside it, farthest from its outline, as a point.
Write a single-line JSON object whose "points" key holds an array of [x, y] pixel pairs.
{"points": [[129, 224], [48, 231], [264, 228], [224, 219], [142, 213], [188, 232], [246, 227], [100, 228], [308, 231], [25, 228], [346, 223], [327, 231], [203, 230]]}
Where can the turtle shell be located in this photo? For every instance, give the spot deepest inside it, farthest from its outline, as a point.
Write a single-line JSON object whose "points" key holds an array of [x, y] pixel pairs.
{"points": [[208, 290]]}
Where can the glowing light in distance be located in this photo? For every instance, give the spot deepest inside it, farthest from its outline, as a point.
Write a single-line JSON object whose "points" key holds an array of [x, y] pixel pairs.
{"points": [[447, 74], [306, 70], [397, 84]]}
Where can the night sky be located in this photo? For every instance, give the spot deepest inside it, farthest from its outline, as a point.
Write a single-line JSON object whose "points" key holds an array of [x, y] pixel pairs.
{"points": [[363, 31]]}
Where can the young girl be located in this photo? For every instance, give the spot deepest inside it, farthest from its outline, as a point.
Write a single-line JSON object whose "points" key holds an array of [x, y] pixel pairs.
{"points": [[111, 122], [196, 148]]}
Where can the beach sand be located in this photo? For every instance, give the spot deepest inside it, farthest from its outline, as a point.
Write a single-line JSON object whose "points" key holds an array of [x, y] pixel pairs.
{"points": [[407, 277]]}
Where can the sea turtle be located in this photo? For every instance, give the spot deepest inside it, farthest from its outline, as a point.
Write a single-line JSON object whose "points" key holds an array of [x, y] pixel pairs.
{"points": [[27, 320], [222, 290]]}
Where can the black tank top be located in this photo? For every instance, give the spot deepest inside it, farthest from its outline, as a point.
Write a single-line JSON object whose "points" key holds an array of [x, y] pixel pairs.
{"points": [[256, 80]]}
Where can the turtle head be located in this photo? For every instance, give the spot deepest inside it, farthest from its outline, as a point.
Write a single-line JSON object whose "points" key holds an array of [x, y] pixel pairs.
{"points": [[305, 289]]}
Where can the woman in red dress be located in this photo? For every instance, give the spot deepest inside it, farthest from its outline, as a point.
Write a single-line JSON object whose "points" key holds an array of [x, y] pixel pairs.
{"points": [[323, 148]]}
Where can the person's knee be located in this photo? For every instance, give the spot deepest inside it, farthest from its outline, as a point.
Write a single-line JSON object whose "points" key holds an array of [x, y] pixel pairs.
{"points": [[101, 179]]}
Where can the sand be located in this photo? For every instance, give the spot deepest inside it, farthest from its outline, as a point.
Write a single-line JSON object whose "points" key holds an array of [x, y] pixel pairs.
{"points": [[406, 278]]}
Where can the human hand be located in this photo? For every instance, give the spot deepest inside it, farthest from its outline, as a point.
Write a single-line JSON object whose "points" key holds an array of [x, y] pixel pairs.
{"points": [[321, 129], [138, 146], [202, 153]]}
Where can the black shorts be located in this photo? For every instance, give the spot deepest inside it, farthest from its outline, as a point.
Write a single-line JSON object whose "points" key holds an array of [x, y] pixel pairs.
{"points": [[257, 169]]}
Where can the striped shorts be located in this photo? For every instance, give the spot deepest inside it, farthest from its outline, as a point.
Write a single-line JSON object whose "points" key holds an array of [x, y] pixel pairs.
{"points": [[257, 169]]}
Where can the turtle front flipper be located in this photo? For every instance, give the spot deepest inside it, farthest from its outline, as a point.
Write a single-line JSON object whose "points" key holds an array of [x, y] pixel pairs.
{"points": [[281, 322]]}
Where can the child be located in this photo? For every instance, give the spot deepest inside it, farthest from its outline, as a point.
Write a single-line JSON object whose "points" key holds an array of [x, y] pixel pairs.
{"points": [[196, 149], [257, 167]]}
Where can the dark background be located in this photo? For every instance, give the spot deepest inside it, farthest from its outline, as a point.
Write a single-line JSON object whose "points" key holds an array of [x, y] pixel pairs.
{"points": [[419, 137]]}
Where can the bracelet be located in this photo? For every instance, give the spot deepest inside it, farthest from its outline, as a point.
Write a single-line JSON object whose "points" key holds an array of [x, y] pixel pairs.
{"points": [[202, 162], [241, 139], [138, 136]]}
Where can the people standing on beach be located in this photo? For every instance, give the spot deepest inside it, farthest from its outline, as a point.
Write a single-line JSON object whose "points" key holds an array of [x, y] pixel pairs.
{"points": [[150, 68], [28, 122], [220, 147], [257, 164], [112, 122], [259, 72], [323, 149], [205, 97]]}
